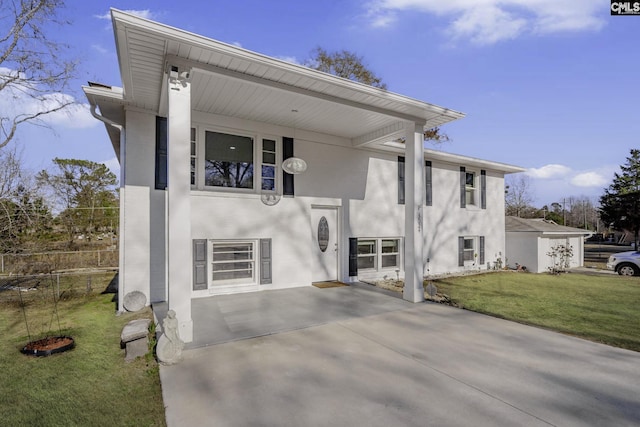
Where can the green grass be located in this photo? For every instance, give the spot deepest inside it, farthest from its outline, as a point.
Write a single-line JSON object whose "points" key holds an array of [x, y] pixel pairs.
{"points": [[601, 308], [90, 385]]}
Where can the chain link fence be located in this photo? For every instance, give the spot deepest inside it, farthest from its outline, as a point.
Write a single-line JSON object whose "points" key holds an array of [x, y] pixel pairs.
{"points": [[34, 288], [56, 261]]}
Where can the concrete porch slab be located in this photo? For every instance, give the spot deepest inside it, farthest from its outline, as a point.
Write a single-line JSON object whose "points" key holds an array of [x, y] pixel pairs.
{"points": [[224, 318]]}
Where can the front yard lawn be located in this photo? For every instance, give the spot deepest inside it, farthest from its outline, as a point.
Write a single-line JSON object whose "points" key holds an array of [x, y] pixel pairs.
{"points": [[602, 308], [90, 385]]}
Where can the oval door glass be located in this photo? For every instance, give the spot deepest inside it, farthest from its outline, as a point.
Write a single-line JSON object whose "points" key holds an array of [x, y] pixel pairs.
{"points": [[323, 234]]}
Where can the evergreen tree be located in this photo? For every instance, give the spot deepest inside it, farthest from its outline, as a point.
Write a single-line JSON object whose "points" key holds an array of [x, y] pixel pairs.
{"points": [[620, 204]]}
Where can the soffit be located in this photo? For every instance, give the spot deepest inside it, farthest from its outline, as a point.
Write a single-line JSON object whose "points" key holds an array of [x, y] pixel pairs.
{"points": [[231, 81]]}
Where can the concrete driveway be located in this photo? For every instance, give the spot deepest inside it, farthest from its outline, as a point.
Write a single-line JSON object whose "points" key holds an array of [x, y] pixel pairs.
{"points": [[411, 365]]}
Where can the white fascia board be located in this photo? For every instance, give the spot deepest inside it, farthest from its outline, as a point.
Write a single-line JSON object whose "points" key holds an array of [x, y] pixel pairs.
{"points": [[112, 94], [122, 20], [567, 233], [458, 159]]}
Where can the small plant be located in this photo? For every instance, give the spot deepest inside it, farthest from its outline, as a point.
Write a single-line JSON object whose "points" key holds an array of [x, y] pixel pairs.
{"points": [[560, 258]]}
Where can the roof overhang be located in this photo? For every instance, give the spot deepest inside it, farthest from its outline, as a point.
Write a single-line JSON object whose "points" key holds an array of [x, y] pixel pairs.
{"points": [[456, 159], [231, 81], [111, 102], [541, 227]]}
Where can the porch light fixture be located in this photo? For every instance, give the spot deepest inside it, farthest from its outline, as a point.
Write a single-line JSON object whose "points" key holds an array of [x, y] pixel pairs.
{"points": [[294, 166]]}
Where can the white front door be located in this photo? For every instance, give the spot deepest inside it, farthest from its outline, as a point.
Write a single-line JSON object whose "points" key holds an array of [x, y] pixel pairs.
{"points": [[324, 231]]}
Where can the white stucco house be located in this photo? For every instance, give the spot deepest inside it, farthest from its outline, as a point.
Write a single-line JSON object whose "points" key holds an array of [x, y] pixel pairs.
{"points": [[202, 129], [529, 241]]}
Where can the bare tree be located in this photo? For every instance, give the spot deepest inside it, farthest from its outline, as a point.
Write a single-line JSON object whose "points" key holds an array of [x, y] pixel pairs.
{"points": [[33, 70], [344, 64], [518, 197], [24, 216]]}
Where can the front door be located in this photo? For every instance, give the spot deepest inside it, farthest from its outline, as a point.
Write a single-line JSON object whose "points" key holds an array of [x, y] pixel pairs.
{"points": [[324, 229]]}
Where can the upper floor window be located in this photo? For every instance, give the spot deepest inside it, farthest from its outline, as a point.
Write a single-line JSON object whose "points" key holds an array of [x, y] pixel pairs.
{"points": [[473, 188], [228, 160], [269, 165], [470, 188], [194, 156]]}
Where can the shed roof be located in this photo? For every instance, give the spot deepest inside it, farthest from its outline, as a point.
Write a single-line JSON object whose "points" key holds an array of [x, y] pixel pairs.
{"points": [[541, 226]]}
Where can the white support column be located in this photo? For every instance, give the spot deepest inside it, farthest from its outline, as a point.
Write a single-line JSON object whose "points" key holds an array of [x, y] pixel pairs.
{"points": [[178, 200], [413, 221]]}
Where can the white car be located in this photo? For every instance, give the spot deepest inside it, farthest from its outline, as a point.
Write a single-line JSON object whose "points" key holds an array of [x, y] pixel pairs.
{"points": [[625, 263]]}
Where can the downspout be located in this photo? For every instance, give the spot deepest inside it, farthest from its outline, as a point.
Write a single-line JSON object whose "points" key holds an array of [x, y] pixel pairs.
{"points": [[121, 245]]}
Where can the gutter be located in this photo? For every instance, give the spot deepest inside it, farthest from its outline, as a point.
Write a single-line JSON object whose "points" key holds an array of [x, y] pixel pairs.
{"points": [[121, 245], [120, 129]]}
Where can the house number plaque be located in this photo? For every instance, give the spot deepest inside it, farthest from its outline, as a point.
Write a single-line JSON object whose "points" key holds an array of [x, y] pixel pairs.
{"points": [[323, 234]]}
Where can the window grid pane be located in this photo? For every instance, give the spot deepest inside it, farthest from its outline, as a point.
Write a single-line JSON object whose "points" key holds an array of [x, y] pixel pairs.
{"points": [[232, 262], [469, 246], [367, 254], [389, 261], [268, 165], [194, 148], [470, 189]]}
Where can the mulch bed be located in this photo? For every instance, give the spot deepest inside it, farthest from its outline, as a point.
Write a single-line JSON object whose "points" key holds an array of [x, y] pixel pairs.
{"points": [[48, 346]]}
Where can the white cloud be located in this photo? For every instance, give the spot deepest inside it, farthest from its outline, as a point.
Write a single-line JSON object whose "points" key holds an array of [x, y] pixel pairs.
{"points": [[144, 13], [589, 179], [551, 171], [26, 100], [487, 25], [491, 21], [75, 116]]}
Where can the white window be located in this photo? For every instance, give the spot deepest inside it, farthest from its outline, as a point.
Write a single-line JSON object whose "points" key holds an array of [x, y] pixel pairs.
{"points": [[378, 254], [470, 188], [194, 156], [269, 169], [390, 253], [367, 254], [469, 249], [235, 161], [232, 262]]}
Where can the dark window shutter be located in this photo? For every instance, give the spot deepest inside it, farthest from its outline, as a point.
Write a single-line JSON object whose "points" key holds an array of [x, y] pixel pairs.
{"points": [[428, 181], [461, 251], [353, 257], [481, 250], [161, 153], [401, 180], [199, 264], [265, 262], [287, 178], [463, 180], [483, 189]]}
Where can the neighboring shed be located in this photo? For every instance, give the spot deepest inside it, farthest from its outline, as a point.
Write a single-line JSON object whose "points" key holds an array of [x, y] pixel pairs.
{"points": [[528, 242]]}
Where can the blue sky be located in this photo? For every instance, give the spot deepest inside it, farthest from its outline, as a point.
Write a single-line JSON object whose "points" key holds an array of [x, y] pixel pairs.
{"points": [[550, 86]]}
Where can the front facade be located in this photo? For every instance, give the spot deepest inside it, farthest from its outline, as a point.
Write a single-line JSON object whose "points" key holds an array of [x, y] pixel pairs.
{"points": [[205, 133]]}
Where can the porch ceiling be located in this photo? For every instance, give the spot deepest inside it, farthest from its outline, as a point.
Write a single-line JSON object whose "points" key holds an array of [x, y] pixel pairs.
{"points": [[231, 81]]}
